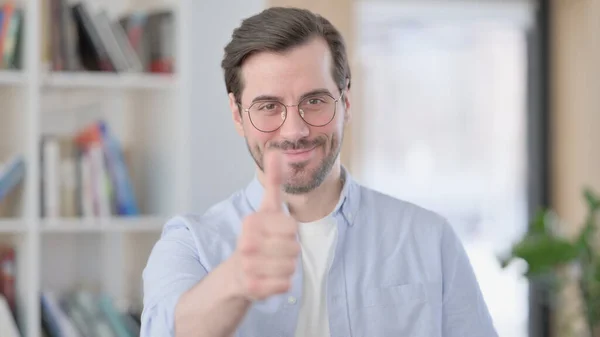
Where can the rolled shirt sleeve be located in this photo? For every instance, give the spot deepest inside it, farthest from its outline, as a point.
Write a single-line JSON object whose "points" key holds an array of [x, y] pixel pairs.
{"points": [[173, 267]]}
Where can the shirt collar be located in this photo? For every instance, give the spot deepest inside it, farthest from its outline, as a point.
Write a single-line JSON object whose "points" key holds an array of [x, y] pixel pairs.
{"points": [[347, 204]]}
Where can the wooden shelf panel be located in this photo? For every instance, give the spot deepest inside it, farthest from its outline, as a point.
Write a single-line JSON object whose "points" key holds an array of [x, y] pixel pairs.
{"points": [[90, 80], [103, 225]]}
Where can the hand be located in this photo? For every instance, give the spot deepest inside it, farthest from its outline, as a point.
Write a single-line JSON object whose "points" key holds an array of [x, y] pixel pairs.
{"points": [[267, 249]]}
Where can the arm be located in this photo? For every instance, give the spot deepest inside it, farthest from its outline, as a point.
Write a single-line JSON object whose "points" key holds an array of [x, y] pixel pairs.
{"points": [[465, 313], [217, 300], [180, 297]]}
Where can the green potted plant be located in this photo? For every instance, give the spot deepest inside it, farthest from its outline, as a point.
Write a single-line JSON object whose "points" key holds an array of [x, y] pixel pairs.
{"points": [[547, 254]]}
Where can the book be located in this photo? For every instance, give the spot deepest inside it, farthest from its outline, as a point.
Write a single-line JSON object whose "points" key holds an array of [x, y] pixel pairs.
{"points": [[85, 313], [11, 174], [85, 175], [84, 36]]}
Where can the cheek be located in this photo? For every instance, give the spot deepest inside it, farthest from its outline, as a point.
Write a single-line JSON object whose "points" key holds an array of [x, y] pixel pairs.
{"points": [[332, 134], [337, 125], [334, 130], [256, 137]]}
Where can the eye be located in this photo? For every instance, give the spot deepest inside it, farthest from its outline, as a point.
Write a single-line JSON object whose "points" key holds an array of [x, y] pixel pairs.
{"points": [[268, 106], [313, 101]]}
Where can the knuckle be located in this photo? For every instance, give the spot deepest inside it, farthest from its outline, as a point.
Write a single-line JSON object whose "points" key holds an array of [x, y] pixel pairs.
{"points": [[254, 286], [247, 245], [247, 266], [243, 243]]}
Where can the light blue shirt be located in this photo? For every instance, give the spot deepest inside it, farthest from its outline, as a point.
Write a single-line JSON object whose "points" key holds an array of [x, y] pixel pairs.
{"points": [[398, 270]]}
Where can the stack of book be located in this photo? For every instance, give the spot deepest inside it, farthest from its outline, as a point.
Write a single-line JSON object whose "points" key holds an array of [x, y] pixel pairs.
{"points": [[83, 313], [85, 175], [81, 36]]}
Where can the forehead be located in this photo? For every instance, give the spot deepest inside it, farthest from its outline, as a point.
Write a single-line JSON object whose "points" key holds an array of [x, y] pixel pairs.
{"points": [[289, 74]]}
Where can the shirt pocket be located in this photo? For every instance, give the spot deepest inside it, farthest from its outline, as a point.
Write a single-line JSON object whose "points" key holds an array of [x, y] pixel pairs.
{"points": [[412, 309], [403, 294]]}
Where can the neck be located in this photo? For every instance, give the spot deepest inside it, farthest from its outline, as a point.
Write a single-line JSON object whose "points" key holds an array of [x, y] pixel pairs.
{"points": [[319, 202]]}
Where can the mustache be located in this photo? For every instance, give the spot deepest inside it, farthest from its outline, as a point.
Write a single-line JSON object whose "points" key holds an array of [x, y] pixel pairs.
{"points": [[301, 144]]}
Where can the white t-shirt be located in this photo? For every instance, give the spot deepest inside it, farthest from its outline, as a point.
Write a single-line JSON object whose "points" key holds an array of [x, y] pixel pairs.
{"points": [[318, 245]]}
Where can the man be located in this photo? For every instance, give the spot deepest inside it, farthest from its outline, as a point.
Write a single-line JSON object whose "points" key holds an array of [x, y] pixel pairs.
{"points": [[304, 250]]}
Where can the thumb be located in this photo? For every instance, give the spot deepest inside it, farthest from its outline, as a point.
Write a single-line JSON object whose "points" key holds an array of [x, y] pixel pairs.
{"points": [[273, 168]]}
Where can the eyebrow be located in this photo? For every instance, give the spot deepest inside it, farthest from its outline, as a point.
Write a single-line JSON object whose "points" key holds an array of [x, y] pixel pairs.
{"points": [[278, 98]]}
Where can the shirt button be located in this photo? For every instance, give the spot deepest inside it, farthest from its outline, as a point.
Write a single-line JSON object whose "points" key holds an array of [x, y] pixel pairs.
{"points": [[291, 300]]}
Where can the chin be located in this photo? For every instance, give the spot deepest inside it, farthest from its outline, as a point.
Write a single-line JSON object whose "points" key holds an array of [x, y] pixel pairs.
{"points": [[300, 187], [305, 176]]}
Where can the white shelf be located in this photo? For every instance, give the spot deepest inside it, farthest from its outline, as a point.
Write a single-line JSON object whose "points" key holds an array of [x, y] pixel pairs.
{"points": [[103, 225], [12, 77], [11, 226], [102, 80], [150, 116]]}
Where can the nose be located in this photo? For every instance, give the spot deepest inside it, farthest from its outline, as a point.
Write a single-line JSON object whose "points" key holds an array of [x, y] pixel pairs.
{"points": [[294, 127]]}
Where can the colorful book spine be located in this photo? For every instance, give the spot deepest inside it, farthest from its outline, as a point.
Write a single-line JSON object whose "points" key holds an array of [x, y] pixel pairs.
{"points": [[10, 175]]}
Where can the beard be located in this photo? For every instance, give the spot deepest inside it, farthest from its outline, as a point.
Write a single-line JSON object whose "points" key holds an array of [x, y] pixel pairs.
{"points": [[303, 179]]}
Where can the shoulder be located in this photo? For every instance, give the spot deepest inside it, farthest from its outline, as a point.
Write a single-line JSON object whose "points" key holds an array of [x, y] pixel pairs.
{"points": [[412, 238], [401, 214], [212, 234], [220, 217]]}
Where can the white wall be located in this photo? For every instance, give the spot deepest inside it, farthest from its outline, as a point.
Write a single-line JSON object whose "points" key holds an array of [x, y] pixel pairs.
{"points": [[220, 161]]}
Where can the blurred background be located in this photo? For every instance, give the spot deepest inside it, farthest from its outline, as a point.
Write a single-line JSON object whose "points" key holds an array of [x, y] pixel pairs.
{"points": [[115, 118]]}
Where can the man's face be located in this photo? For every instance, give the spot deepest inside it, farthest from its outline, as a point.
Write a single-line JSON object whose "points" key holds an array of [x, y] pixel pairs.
{"points": [[309, 152]]}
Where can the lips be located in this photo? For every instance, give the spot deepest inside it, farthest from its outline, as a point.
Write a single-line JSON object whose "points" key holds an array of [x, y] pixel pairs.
{"points": [[298, 151], [299, 155]]}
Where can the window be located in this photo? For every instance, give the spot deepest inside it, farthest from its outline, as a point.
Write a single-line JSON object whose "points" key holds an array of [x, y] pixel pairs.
{"points": [[442, 123]]}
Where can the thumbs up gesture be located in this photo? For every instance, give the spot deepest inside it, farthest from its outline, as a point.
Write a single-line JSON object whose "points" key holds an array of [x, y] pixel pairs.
{"points": [[267, 249]]}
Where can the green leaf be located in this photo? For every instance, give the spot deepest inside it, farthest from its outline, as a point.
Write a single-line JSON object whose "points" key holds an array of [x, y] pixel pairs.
{"points": [[586, 236], [543, 253], [538, 224], [592, 200]]}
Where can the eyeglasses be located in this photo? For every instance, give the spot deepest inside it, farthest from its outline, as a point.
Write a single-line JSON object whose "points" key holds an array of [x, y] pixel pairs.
{"points": [[316, 110]]}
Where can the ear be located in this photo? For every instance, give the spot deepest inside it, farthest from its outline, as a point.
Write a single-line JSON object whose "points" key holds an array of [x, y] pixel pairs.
{"points": [[236, 115], [347, 105]]}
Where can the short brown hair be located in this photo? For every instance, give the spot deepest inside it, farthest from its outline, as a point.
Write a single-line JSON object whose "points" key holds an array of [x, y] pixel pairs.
{"points": [[278, 29]]}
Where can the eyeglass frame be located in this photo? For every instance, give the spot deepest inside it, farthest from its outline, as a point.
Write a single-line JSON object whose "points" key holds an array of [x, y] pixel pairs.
{"points": [[285, 106]]}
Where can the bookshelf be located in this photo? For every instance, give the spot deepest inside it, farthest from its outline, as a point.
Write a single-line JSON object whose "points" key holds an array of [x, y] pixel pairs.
{"points": [[147, 112], [11, 78], [141, 224], [12, 227], [110, 81]]}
